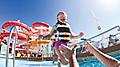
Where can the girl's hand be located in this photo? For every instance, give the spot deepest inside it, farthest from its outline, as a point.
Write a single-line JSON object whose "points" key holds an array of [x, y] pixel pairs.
{"points": [[81, 34]]}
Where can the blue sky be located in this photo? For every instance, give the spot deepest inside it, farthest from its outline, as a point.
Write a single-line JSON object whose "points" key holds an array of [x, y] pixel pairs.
{"points": [[81, 13]]}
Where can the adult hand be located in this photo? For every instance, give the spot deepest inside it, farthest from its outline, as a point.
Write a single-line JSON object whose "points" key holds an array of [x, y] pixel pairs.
{"points": [[90, 47], [65, 53]]}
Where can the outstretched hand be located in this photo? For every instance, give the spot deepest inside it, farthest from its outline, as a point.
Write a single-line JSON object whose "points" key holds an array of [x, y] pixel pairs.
{"points": [[81, 33], [65, 53], [89, 47]]}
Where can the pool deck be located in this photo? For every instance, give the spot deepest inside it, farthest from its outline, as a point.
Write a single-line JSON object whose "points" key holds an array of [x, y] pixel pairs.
{"points": [[35, 58], [112, 50], [82, 55]]}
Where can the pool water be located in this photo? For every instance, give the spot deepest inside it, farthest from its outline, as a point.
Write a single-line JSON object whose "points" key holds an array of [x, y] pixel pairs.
{"points": [[90, 63], [93, 62], [27, 63]]}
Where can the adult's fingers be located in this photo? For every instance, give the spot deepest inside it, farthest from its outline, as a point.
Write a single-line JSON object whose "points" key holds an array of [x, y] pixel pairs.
{"points": [[64, 48], [58, 52], [66, 51], [62, 59], [74, 48]]}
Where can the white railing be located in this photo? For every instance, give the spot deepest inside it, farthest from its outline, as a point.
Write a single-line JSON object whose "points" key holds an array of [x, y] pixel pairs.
{"points": [[99, 42], [8, 45]]}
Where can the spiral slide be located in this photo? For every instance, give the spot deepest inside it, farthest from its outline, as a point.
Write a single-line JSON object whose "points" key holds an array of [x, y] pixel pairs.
{"points": [[21, 35], [38, 28], [15, 23], [43, 30]]}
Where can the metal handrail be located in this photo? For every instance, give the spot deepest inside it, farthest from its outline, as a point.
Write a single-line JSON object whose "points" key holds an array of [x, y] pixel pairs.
{"points": [[9, 39], [102, 33]]}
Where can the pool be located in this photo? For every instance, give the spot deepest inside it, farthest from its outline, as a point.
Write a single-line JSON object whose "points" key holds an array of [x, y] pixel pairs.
{"points": [[90, 63], [93, 62], [27, 63]]}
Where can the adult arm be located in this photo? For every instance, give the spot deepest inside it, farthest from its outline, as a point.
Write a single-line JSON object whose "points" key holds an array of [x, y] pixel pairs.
{"points": [[103, 58]]}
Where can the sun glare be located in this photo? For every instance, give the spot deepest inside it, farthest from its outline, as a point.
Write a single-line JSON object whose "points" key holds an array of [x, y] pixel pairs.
{"points": [[108, 4]]}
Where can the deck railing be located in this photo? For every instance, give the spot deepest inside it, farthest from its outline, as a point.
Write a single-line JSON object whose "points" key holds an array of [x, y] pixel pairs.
{"points": [[102, 42]]}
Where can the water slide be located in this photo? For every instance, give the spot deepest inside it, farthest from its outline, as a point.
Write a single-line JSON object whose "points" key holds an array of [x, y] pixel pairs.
{"points": [[40, 28], [21, 34]]}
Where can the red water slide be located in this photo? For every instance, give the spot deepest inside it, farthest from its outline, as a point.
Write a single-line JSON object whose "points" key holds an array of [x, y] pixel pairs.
{"points": [[15, 23], [40, 28], [21, 35], [34, 25]]}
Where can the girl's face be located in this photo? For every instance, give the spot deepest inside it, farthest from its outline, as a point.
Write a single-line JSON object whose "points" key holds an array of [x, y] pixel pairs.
{"points": [[62, 17]]}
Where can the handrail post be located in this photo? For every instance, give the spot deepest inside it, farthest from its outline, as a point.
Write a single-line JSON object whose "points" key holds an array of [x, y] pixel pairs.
{"points": [[8, 45]]}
